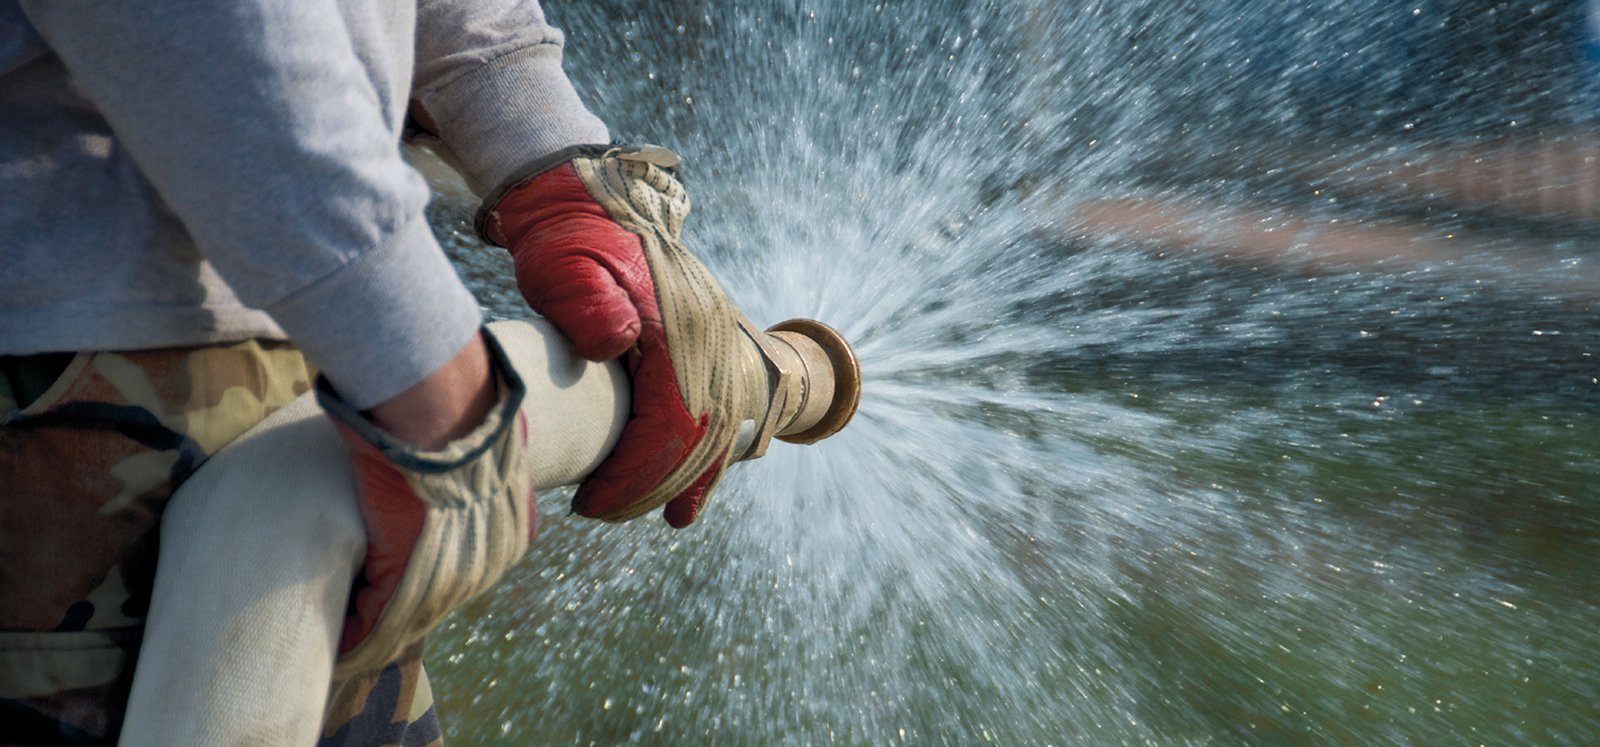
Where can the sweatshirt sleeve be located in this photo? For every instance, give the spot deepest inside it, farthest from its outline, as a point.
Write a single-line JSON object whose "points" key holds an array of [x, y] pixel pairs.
{"points": [[257, 124], [489, 76]]}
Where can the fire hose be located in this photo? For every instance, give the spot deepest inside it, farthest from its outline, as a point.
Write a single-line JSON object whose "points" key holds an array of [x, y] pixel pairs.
{"points": [[260, 546]]}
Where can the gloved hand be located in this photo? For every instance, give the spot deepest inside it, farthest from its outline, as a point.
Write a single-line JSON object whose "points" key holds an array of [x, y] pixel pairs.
{"points": [[594, 232], [442, 526]]}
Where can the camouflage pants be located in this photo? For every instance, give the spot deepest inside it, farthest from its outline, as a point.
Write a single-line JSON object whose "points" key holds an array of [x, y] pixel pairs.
{"points": [[91, 447]]}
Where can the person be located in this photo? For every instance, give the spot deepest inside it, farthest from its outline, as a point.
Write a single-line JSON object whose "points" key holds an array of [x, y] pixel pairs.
{"points": [[206, 214]]}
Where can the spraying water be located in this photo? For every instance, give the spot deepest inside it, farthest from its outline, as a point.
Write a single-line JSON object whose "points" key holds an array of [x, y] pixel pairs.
{"points": [[1121, 473]]}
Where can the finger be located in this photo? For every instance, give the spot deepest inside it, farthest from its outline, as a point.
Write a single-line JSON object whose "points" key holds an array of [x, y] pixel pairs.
{"points": [[394, 518], [615, 489], [657, 438], [682, 510], [581, 296], [365, 610]]}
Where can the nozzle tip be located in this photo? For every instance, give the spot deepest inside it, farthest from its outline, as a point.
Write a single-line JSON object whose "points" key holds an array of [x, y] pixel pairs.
{"points": [[845, 372]]}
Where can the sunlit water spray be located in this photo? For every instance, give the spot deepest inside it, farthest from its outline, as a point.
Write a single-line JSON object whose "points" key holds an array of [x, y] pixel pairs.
{"points": [[1099, 490]]}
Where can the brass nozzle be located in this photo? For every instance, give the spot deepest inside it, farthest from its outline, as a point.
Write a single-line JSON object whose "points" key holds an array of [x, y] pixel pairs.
{"points": [[830, 379], [813, 383]]}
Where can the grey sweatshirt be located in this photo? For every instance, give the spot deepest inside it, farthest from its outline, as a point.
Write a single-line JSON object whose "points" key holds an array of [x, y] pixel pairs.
{"points": [[180, 172]]}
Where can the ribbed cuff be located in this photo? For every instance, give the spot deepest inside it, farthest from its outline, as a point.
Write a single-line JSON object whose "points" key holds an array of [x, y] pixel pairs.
{"points": [[510, 112], [510, 389], [384, 321]]}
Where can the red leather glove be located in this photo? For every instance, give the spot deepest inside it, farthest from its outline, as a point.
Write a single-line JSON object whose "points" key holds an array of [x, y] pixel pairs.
{"points": [[442, 526], [595, 237]]}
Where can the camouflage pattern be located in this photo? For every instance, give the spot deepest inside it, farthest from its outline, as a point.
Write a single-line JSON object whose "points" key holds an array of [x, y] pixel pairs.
{"points": [[87, 464], [393, 706]]}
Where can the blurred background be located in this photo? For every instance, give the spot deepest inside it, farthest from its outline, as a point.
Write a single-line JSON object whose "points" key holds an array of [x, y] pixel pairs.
{"points": [[1229, 379]]}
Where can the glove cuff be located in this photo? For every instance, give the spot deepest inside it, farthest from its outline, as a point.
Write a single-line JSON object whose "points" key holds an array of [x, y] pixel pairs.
{"points": [[458, 453], [481, 222]]}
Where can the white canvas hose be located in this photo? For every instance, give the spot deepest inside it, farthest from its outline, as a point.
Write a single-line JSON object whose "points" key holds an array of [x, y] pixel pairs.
{"points": [[259, 548]]}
